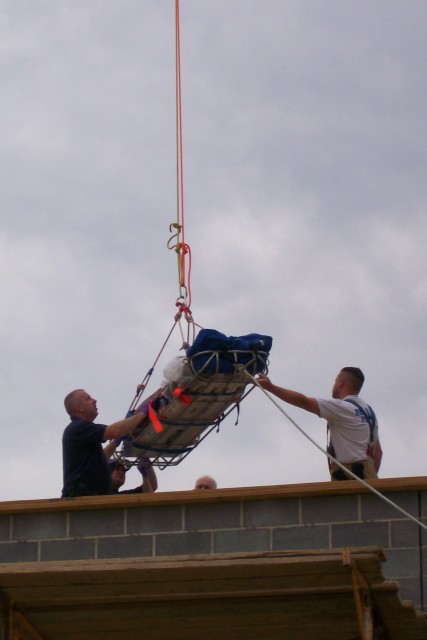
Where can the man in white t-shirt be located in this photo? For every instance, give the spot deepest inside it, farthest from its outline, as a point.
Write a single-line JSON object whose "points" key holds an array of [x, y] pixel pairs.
{"points": [[352, 425]]}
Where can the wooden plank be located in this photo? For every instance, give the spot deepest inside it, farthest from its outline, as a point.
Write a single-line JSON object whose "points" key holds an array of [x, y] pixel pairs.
{"points": [[168, 576], [160, 591], [242, 559], [177, 580], [305, 618], [214, 495], [86, 598], [218, 614], [260, 596]]}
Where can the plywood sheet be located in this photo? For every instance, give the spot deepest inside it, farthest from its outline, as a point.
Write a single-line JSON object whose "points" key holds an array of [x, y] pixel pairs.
{"points": [[303, 596]]}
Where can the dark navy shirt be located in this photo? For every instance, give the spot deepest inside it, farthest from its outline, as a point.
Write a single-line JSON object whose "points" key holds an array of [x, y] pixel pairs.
{"points": [[85, 467]]}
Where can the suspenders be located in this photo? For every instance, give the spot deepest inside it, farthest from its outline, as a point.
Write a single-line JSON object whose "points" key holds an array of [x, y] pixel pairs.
{"points": [[369, 416]]}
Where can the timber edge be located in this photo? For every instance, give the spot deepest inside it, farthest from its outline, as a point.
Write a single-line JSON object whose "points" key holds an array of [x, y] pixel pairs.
{"points": [[312, 489]]}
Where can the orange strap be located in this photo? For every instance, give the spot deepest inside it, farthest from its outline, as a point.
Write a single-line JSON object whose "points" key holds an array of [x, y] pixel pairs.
{"points": [[152, 415], [154, 419], [182, 397]]}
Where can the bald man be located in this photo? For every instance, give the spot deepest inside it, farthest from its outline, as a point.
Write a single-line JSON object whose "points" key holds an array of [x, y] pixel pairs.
{"points": [[85, 465], [205, 482]]}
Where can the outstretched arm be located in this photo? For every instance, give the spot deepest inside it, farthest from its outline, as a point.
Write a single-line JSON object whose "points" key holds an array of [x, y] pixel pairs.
{"points": [[123, 427], [109, 449], [149, 478], [287, 395]]}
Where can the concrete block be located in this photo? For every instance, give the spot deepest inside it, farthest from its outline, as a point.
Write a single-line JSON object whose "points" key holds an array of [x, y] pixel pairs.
{"points": [[97, 523], [423, 533], [360, 534], [5, 527], [410, 589], [405, 533], [423, 503], [171, 544], [242, 540], [304, 537], [219, 515], [59, 550], [18, 552], [39, 526], [154, 519], [402, 563], [374, 508], [324, 509], [125, 547], [271, 513]]}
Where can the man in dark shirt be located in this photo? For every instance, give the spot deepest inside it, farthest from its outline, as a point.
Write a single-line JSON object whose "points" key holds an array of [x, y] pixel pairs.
{"points": [[85, 466], [118, 469]]}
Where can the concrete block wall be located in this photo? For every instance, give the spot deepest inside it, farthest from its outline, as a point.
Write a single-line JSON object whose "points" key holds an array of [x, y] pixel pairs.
{"points": [[292, 517]]}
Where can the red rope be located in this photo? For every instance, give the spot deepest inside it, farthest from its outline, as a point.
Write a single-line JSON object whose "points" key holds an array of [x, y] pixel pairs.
{"points": [[183, 248], [179, 107]]}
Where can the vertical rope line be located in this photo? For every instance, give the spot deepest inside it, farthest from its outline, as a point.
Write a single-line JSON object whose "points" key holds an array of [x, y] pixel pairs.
{"points": [[181, 162], [177, 113], [180, 246], [177, 133], [180, 172]]}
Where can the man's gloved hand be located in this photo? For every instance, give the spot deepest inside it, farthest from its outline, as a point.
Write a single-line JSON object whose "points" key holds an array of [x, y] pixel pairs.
{"points": [[143, 466]]}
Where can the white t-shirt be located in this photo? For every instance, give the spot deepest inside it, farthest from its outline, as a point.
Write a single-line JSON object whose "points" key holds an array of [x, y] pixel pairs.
{"points": [[349, 431]]}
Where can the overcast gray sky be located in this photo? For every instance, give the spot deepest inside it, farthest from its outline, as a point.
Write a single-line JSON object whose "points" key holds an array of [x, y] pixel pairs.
{"points": [[305, 148]]}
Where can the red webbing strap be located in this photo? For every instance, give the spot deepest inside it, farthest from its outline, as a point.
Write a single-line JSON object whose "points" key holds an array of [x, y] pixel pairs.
{"points": [[152, 415], [182, 397]]}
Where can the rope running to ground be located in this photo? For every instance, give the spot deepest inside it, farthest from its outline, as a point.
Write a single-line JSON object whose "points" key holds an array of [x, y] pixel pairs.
{"points": [[328, 455], [181, 247]]}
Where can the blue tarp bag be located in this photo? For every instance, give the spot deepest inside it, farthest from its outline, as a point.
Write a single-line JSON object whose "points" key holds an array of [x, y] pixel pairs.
{"points": [[213, 351]]}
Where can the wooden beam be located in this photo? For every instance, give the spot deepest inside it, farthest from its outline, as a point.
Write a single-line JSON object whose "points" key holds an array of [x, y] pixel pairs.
{"points": [[22, 629], [213, 495]]}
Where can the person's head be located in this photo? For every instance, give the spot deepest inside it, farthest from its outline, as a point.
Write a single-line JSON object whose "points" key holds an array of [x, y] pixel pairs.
{"points": [[118, 470], [349, 381], [205, 482], [79, 404]]}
